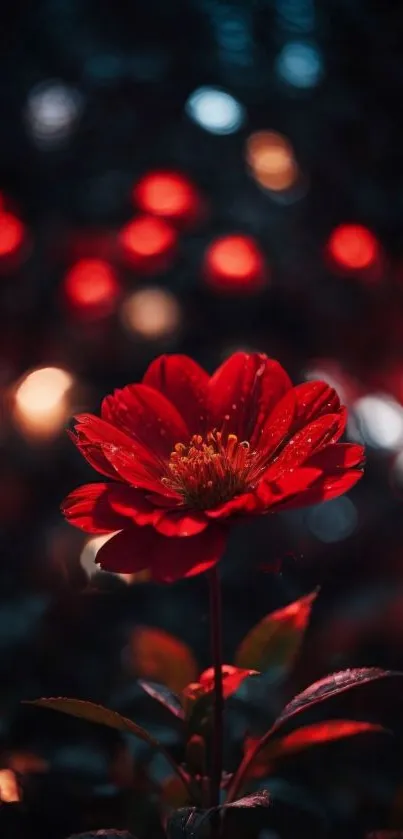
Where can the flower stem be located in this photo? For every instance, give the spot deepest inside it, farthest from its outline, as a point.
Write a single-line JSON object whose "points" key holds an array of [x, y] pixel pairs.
{"points": [[216, 645]]}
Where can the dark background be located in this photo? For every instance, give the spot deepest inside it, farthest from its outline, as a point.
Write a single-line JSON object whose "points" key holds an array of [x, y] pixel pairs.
{"points": [[127, 71]]}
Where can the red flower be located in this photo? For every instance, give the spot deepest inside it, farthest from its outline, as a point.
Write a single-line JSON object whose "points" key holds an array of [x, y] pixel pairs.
{"points": [[186, 452]]}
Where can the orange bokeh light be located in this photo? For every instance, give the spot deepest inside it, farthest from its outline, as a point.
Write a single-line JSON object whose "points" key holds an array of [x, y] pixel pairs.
{"points": [[270, 158], [9, 789], [235, 264], [91, 288], [167, 194], [151, 313], [353, 247], [148, 242], [12, 234]]}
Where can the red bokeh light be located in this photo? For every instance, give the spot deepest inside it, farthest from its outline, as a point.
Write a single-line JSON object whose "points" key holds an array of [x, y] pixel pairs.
{"points": [[148, 242], [353, 247], [235, 264], [91, 288], [168, 194], [12, 234]]}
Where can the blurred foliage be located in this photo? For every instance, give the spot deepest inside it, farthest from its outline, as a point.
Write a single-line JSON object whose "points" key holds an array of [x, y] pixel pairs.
{"points": [[63, 633]]}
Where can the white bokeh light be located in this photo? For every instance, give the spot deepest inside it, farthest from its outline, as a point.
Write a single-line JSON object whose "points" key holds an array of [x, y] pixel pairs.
{"points": [[88, 557], [378, 420], [333, 521], [300, 64], [41, 402], [52, 111], [215, 110], [89, 552]]}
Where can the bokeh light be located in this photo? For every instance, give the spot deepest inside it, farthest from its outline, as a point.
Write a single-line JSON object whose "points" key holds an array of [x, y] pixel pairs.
{"points": [[148, 243], [91, 289], [41, 402], [378, 420], [333, 521], [300, 64], [152, 313], [89, 552], [52, 112], [353, 247], [215, 110], [235, 264], [9, 788], [330, 371], [270, 158], [12, 234], [168, 194]]}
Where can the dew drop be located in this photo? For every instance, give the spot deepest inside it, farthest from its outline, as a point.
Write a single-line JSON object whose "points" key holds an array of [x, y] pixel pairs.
{"points": [[233, 407]]}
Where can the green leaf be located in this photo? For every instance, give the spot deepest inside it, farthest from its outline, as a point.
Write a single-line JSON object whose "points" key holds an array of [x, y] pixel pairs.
{"points": [[275, 640], [94, 713]]}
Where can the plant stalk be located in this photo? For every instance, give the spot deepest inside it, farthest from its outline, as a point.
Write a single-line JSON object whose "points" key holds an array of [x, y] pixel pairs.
{"points": [[216, 645]]}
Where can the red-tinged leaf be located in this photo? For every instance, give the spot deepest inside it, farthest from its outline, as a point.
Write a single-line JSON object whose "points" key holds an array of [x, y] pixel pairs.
{"points": [[94, 713], [232, 678], [256, 799], [198, 697], [165, 697], [157, 656], [275, 640], [104, 716], [333, 685], [302, 739], [103, 834], [385, 834], [248, 814], [173, 794]]}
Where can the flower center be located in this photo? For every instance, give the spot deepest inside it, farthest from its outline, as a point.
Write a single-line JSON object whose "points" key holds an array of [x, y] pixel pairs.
{"points": [[212, 470]]}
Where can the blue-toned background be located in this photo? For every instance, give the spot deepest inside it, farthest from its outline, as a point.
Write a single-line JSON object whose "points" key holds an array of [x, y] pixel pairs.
{"points": [[192, 177]]}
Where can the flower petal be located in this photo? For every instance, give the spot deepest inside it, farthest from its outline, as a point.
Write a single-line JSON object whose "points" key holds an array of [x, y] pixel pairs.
{"points": [[277, 427], [167, 559], [326, 488], [133, 504], [272, 493], [93, 455], [244, 504], [89, 508], [181, 523], [244, 391], [338, 456], [185, 384], [116, 447], [305, 443], [146, 416], [314, 399], [130, 468]]}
